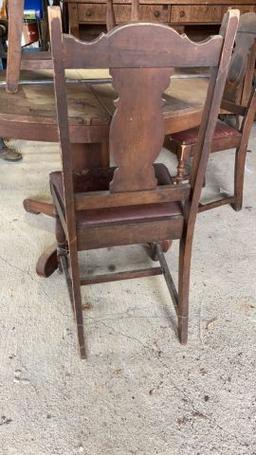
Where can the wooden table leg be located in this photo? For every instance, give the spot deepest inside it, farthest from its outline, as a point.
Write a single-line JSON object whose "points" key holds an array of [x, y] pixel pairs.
{"points": [[15, 14], [84, 156]]}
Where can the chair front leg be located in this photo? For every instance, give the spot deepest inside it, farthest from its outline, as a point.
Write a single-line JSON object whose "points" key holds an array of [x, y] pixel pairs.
{"points": [[240, 161], [183, 155], [183, 287]]}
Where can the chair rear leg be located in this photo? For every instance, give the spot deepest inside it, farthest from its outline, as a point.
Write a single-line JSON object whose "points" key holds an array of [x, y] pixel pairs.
{"points": [[183, 287], [62, 244], [240, 161], [72, 274], [76, 297], [62, 256]]}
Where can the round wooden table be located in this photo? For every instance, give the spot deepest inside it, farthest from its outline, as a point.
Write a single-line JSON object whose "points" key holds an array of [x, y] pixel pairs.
{"points": [[30, 114]]}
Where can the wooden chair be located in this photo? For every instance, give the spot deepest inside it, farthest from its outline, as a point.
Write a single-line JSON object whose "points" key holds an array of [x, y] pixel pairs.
{"points": [[16, 60], [135, 202], [239, 99]]}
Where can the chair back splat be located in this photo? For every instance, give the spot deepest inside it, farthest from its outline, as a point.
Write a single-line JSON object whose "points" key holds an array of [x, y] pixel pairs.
{"points": [[133, 206]]}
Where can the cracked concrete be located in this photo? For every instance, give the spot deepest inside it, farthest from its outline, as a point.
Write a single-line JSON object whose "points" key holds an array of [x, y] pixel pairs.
{"points": [[140, 392]]}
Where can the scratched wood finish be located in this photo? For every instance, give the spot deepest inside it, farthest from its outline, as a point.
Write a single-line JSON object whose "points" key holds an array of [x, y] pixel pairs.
{"points": [[30, 113], [137, 63]]}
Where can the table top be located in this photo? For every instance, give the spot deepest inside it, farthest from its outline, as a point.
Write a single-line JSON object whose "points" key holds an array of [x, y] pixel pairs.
{"points": [[30, 113]]}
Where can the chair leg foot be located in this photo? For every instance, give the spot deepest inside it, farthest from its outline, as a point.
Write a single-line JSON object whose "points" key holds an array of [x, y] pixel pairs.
{"points": [[183, 330], [82, 351], [237, 206], [73, 279], [240, 161], [81, 341], [184, 283]]}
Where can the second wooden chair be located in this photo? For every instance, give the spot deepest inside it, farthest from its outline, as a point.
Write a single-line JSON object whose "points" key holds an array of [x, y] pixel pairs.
{"points": [[240, 100]]}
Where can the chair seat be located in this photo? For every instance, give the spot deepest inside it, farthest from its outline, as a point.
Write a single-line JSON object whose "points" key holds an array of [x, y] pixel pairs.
{"points": [[99, 180], [222, 132]]}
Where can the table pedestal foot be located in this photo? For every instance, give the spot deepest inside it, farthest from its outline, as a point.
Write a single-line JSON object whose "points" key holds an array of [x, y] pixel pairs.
{"points": [[36, 207], [48, 262]]}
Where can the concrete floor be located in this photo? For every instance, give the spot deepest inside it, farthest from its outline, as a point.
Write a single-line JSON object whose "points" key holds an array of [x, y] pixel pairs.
{"points": [[140, 392]]}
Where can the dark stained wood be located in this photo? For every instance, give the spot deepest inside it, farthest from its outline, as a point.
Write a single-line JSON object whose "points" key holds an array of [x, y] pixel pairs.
{"points": [[63, 131], [105, 199], [136, 60], [140, 232], [35, 108], [214, 204], [206, 131], [132, 154], [111, 47], [142, 273]]}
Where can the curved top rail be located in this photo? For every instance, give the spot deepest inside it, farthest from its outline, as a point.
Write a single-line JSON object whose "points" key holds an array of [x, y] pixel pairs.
{"points": [[141, 45]]}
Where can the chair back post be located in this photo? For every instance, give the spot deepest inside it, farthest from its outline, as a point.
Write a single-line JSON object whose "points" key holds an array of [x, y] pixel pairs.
{"points": [[249, 75], [211, 110], [55, 22], [248, 118]]}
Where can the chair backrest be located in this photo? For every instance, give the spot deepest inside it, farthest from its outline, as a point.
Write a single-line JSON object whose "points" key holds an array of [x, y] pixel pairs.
{"points": [[141, 58], [240, 76]]}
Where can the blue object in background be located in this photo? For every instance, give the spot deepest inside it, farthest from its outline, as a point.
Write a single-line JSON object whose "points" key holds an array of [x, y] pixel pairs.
{"points": [[36, 6]]}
